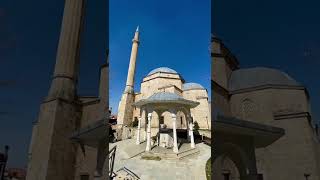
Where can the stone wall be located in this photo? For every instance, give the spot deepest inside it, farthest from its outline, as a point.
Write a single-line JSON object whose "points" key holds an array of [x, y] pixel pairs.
{"points": [[52, 154], [296, 152], [152, 84], [201, 113]]}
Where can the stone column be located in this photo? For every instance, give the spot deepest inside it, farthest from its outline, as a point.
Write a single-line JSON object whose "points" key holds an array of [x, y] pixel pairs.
{"points": [[145, 135], [138, 130], [132, 64], [145, 126], [191, 134], [175, 140], [148, 147], [67, 60]]}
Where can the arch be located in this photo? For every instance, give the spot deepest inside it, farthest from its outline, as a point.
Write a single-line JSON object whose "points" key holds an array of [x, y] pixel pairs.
{"points": [[238, 156], [182, 122], [224, 166]]}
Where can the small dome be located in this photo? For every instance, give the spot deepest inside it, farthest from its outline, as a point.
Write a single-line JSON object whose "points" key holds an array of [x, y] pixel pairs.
{"points": [[253, 77], [163, 69], [190, 86]]}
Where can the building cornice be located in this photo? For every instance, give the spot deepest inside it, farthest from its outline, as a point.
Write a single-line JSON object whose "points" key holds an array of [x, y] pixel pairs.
{"points": [[266, 86], [161, 77], [291, 115]]}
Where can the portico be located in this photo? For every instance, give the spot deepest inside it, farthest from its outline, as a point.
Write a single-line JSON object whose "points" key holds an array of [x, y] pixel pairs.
{"points": [[165, 102]]}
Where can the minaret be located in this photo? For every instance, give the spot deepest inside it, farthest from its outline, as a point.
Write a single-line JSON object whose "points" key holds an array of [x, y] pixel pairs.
{"points": [[52, 154], [132, 64], [67, 60], [125, 110]]}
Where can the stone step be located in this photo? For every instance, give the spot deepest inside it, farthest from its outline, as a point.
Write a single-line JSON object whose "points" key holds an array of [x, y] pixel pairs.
{"points": [[172, 155], [188, 153]]}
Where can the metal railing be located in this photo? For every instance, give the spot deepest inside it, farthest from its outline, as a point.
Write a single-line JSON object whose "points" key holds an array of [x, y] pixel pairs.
{"points": [[112, 154]]}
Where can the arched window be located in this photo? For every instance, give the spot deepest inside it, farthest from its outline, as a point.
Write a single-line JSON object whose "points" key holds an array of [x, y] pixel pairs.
{"points": [[247, 109]]}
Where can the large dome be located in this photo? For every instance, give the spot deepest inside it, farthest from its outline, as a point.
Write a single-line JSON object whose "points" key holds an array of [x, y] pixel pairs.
{"points": [[191, 86], [163, 69], [253, 77]]}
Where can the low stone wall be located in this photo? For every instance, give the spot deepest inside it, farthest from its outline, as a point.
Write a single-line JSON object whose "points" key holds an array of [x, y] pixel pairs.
{"points": [[205, 132]]}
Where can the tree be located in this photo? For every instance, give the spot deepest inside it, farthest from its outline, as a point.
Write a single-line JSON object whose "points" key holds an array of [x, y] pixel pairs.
{"points": [[134, 123], [196, 126]]}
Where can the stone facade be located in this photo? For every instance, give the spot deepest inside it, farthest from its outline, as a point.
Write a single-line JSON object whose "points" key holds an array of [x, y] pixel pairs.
{"points": [[52, 154], [268, 97]]}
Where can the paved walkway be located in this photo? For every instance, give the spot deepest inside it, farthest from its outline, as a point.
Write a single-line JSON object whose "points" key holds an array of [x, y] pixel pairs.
{"points": [[189, 168]]}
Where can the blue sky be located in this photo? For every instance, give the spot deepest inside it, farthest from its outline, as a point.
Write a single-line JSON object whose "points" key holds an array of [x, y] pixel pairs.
{"points": [[276, 34], [173, 34]]}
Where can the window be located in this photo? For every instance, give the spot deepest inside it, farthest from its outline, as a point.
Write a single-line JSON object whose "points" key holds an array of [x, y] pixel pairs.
{"points": [[161, 120], [84, 177], [260, 176], [181, 120], [306, 176], [226, 176], [248, 108]]}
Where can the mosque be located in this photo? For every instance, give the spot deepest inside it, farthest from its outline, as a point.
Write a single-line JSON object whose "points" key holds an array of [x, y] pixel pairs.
{"points": [[260, 119], [166, 106], [262, 123]]}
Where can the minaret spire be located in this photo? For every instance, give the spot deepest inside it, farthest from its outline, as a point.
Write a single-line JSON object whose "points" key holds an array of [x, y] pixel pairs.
{"points": [[132, 64], [125, 110]]}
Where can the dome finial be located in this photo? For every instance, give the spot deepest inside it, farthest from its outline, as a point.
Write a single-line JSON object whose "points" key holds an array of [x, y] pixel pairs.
{"points": [[137, 30]]}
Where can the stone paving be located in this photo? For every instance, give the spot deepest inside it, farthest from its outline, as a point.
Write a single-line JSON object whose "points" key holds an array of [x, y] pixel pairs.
{"points": [[188, 168]]}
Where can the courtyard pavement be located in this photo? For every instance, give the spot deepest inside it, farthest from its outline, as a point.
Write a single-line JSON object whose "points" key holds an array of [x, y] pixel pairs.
{"points": [[192, 167]]}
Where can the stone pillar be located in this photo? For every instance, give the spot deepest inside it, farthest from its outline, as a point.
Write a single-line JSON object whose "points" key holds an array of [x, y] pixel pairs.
{"points": [[145, 126], [191, 133], [175, 140], [104, 85], [138, 130], [67, 60], [148, 147], [132, 65]]}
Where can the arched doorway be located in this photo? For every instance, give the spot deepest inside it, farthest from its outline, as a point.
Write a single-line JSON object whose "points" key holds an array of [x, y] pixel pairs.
{"points": [[232, 162], [225, 169]]}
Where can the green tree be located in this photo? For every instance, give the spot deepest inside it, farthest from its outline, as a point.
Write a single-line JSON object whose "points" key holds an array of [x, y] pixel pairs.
{"points": [[134, 123], [196, 126]]}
